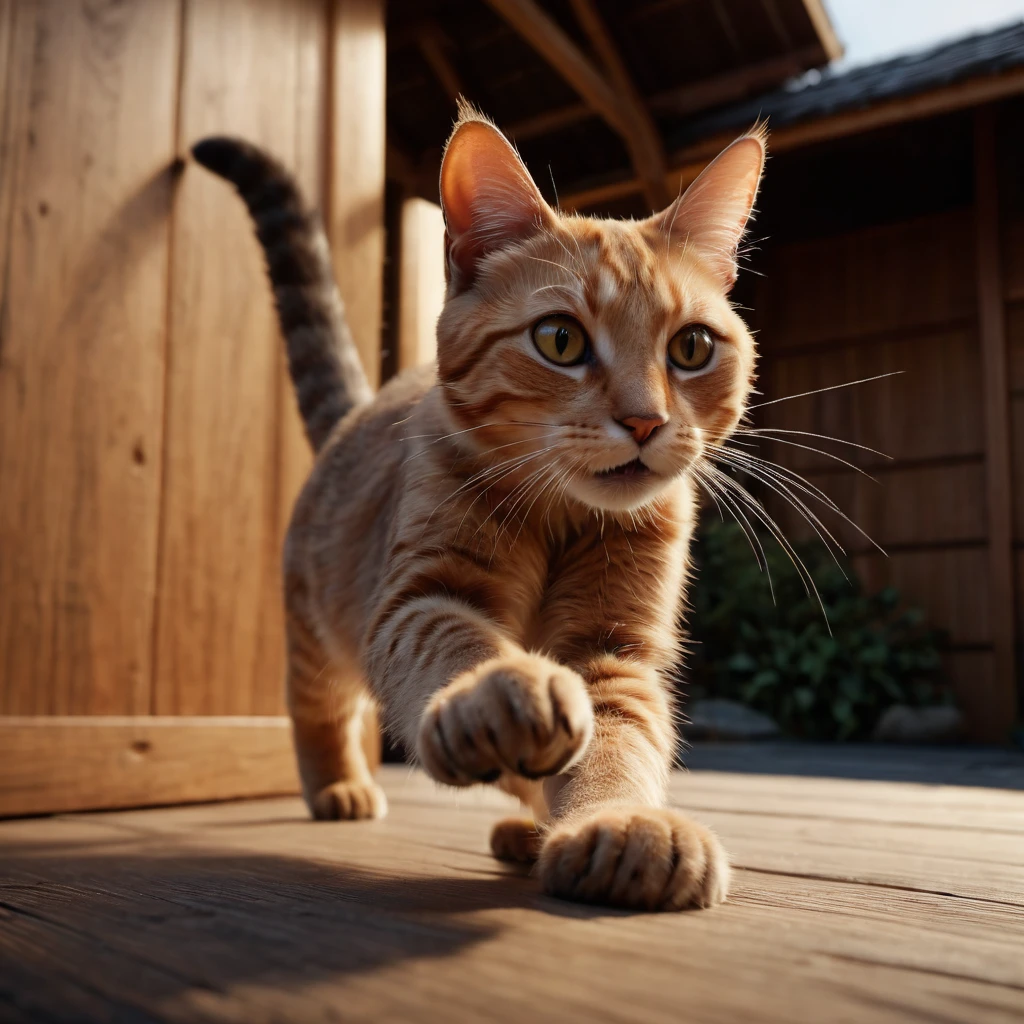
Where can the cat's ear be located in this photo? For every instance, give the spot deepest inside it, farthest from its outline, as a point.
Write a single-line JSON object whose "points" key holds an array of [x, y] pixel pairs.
{"points": [[712, 214], [487, 194]]}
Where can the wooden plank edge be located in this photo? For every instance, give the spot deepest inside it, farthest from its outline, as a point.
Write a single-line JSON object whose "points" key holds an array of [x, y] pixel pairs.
{"points": [[58, 764]]}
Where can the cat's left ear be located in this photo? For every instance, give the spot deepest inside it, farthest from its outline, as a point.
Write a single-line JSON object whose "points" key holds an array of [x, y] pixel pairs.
{"points": [[712, 214], [487, 194]]}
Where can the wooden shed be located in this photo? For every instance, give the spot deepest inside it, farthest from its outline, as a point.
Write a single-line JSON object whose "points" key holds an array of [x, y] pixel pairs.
{"points": [[149, 445], [891, 240]]}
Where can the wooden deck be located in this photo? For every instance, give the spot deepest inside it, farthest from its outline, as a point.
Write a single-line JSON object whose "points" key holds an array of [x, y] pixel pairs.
{"points": [[853, 900]]}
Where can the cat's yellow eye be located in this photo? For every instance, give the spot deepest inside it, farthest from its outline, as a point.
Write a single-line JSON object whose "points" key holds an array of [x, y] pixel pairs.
{"points": [[691, 348], [560, 339]]}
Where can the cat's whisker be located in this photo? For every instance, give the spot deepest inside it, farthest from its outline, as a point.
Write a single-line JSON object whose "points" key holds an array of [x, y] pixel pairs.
{"points": [[537, 478], [832, 387], [828, 455], [780, 488], [803, 484], [511, 465], [519, 462], [743, 522], [761, 513], [768, 431]]}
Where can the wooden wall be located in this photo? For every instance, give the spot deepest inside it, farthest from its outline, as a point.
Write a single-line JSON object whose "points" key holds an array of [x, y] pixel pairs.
{"points": [[904, 296], [150, 448]]}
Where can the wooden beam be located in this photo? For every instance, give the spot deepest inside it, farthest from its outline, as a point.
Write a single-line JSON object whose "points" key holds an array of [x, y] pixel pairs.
{"points": [[727, 27], [688, 162], [733, 85], [434, 47], [618, 104], [830, 45], [993, 713], [356, 161], [544, 34], [549, 121], [771, 9], [684, 99], [643, 139], [61, 764]]}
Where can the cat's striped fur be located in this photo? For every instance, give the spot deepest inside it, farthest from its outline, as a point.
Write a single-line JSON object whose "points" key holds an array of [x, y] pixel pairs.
{"points": [[460, 557]]}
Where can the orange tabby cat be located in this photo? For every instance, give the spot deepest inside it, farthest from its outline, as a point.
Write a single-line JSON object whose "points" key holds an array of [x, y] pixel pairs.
{"points": [[493, 550]]}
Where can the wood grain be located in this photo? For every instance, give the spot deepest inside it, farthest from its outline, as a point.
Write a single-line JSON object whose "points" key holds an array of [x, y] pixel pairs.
{"points": [[925, 506], [931, 410], [356, 146], [56, 764], [87, 127], [949, 586], [233, 455], [882, 278], [247, 912]]}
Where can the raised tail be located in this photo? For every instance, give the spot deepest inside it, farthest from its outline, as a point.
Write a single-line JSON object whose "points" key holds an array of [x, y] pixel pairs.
{"points": [[323, 359]]}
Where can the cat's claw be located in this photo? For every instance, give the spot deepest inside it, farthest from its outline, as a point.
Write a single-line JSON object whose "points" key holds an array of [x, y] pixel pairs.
{"points": [[639, 858], [524, 715]]}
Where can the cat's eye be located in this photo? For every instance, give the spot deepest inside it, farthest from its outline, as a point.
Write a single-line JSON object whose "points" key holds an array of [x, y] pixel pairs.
{"points": [[560, 339], [691, 348]]}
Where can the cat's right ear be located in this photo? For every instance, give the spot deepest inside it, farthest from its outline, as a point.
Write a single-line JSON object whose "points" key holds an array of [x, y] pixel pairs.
{"points": [[487, 194]]}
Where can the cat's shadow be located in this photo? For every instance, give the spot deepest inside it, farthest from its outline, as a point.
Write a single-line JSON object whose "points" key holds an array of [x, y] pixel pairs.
{"points": [[173, 921]]}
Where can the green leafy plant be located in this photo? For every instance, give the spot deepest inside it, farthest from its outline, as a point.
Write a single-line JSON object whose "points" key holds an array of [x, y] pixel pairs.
{"points": [[779, 655]]}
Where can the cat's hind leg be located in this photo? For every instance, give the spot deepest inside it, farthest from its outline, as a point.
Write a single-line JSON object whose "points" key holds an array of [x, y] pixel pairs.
{"points": [[334, 726], [517, 840]]}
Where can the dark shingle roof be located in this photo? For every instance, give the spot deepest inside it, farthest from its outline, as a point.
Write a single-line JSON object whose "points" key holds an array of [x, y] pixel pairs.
{"points": [[988, 53]]}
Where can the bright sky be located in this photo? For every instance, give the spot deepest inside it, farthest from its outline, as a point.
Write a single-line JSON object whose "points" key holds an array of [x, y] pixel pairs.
{"points": [[876, 29]]}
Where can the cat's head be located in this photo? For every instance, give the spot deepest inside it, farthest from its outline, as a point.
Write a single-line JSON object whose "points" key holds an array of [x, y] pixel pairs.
{"points": [[595, 358]]}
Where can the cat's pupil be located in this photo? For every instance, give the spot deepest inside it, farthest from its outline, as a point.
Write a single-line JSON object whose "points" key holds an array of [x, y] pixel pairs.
{"points": [[691, 346], [562, 340]]}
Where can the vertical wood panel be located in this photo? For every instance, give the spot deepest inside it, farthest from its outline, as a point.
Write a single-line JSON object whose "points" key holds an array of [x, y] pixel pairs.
{"points": [[87, 115], [356, 168], [251, 69], [898, 297], [421, 282], [881, 278], [999, 705]]}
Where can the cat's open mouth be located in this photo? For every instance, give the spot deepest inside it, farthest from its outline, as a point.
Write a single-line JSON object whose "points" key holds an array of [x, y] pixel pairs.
{"points": [[627, 471]]}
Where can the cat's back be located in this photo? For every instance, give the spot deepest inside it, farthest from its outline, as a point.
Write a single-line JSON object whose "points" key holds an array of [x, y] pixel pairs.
{"points": [[339, 529]]}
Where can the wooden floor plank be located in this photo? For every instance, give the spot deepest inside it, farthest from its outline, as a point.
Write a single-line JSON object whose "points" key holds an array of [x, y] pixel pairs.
{"points": [[248, 912]]}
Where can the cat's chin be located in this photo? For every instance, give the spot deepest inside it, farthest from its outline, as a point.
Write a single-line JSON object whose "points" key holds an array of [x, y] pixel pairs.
{"points": [[624, 488]]}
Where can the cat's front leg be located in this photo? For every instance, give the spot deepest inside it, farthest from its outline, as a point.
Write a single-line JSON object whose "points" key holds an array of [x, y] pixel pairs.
{"points": [[470, 702], [611, 839]]}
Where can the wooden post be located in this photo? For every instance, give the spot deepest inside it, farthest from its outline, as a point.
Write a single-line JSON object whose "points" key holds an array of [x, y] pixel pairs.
{"points": [[991, 714], [354, 198], [421, 282]]}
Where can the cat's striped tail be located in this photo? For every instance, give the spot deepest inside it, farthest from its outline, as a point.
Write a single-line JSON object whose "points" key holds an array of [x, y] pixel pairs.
{"points": [[323, 359]]}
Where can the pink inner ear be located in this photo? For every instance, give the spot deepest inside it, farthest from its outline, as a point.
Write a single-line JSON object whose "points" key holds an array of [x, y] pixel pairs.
{"points": [[712, 214], [488, 195]]}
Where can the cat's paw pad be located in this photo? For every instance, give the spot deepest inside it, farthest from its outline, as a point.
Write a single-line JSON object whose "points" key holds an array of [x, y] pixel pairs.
{"points": [[516, 839], [639, 858], [349, 801], [528, 716]]}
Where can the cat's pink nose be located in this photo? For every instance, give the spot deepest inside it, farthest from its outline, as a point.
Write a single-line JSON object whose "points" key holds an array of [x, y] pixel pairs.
{"points": [[643, 426]]}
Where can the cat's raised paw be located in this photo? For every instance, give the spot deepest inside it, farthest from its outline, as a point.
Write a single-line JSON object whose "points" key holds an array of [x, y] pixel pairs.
{"points": [[639, 858], [525, 715], [350, 801]]}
